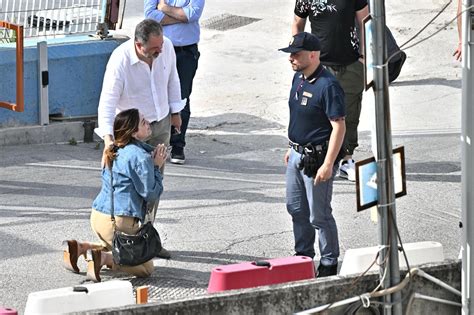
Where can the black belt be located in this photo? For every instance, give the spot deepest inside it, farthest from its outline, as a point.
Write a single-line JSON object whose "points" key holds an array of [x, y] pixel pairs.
{"points": [[300, 148], [181, 48]]}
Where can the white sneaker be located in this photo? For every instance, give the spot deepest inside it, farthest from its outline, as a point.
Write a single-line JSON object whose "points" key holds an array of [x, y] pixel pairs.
{"points": [[347, 170]]}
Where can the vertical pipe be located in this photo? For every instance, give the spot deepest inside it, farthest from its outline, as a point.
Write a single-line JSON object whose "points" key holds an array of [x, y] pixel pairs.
{"points": [[104, 10], [96, 15], [91, 16], [33, 10], [46, 7], [3, 10], [385, 183], [467, 158], [25, 14], [74, 16], [54, 17], [20, 96], [12, 12], [43, 83], [83, 14]]}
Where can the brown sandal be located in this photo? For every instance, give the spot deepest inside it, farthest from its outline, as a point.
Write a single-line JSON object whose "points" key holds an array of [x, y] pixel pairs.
{"points": [[94, 265], [71, 255]]}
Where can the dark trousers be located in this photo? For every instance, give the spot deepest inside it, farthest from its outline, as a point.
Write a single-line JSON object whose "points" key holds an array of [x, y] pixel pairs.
{"points": [[186, 63]]}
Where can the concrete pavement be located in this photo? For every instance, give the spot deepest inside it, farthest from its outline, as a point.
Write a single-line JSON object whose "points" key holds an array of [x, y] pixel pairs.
{"points": [[226, 204]]}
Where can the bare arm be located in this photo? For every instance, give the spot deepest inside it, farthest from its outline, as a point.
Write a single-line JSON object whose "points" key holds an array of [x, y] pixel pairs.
{"points": [[298, 25], [108, 141], [335, 142], [360, 15], [168, 20], [176, 121], [112, 89], [175, 13], [458, 52], [286, 158]]}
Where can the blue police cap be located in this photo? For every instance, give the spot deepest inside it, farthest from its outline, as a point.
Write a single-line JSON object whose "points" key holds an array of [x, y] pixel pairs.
{"points": [[303, 41]]}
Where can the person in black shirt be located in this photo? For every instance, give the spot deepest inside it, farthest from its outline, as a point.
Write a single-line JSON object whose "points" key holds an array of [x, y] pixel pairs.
{"points": [[333, 22], [316, 132]]}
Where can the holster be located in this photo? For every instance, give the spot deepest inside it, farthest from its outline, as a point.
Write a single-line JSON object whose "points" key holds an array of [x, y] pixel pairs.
{"points": [[313, 157]]}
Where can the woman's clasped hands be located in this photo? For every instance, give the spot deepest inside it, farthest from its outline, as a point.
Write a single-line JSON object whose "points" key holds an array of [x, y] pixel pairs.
{"points": [[160, 155]]}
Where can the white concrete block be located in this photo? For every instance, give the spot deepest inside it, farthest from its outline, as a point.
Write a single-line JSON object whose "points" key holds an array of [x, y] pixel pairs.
{"points": [[114, 293], [358, 260]]}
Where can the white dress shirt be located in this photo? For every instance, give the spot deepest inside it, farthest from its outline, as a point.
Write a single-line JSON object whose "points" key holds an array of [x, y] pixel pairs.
{"points": [[130, 83]]}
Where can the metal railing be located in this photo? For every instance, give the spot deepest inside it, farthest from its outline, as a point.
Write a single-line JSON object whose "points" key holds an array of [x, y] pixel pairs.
{"points": [[51, 18]]}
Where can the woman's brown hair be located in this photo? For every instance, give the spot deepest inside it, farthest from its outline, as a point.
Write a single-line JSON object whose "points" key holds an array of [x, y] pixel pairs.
{"points": [[125, 125]]}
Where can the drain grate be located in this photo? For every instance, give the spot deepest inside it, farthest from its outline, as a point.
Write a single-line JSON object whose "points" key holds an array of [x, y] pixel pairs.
{"points": [[165, 289], [227, 21]]}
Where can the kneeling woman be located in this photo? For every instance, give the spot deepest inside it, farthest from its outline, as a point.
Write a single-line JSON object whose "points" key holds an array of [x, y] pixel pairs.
{"points": [[137, 181]]}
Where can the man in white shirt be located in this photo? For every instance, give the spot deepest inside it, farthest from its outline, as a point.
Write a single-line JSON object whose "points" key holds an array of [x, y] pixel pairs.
{"points": [[141, 73]]}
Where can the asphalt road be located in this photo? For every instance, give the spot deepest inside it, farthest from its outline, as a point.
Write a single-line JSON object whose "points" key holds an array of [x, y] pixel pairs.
{"points": [[226, 204]]}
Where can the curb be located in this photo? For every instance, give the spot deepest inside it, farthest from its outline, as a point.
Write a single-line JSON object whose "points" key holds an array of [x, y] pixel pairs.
{"points": [[54, 133]]}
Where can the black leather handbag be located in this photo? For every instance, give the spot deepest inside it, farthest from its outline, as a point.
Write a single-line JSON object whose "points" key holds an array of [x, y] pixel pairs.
{"points": [[133, 250]]}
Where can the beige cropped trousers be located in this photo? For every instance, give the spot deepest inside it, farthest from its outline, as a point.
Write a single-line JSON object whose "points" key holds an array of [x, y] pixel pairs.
{"points": [[103, 227]]}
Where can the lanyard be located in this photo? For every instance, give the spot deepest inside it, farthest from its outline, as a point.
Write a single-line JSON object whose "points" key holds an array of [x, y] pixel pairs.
{"points": [[300, 85], [298, 89]]}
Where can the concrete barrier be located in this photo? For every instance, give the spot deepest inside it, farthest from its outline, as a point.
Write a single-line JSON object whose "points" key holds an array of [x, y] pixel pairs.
{"points": [[54, 133], [302, 295], [358, 260], [80, 298]]}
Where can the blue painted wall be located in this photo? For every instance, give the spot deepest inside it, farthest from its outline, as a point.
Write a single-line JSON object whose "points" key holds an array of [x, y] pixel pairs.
{"points": [[76, 71]]}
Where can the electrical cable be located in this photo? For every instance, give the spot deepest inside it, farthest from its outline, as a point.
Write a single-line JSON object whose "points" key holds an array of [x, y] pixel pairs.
{"points": [[354, 282], [427, 24], [422, 29], [440, 29], [390, 219]]}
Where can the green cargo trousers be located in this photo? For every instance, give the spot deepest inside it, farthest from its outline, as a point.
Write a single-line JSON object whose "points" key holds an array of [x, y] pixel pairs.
{"points": [[351, 79]]}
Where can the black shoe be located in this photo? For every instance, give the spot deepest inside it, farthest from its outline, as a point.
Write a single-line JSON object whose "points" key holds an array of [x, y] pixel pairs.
{"points": [[164, 253], [326, 271], [303, 254], [177, 155], [395, 67]]}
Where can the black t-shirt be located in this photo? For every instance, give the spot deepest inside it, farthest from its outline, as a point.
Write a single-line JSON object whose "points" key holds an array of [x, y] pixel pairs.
{"points": [[313, 102], [333, 22]]}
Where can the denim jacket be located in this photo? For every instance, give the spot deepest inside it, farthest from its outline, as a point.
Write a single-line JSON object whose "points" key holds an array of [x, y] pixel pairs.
{"points": [[137, 182]]}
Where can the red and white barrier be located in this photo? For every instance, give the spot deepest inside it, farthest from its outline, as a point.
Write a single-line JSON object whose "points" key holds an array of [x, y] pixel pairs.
{"points": [[8, 311], [265, 272]]}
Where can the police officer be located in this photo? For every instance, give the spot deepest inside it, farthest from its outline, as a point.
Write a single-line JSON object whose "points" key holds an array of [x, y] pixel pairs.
{"points": [[316, 132]]}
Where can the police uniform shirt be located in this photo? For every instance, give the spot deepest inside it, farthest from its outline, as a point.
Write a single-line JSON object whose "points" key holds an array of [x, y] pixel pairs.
{"points": [[313, 102]]}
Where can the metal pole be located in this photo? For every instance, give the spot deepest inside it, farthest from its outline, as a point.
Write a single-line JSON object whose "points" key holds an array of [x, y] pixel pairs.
{"points": [[385, 183], [43, 82], [467, 159]]}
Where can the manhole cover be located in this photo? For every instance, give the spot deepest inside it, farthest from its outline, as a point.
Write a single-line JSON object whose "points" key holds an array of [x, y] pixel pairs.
{"points": [[164, 289], [226, 22]]}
